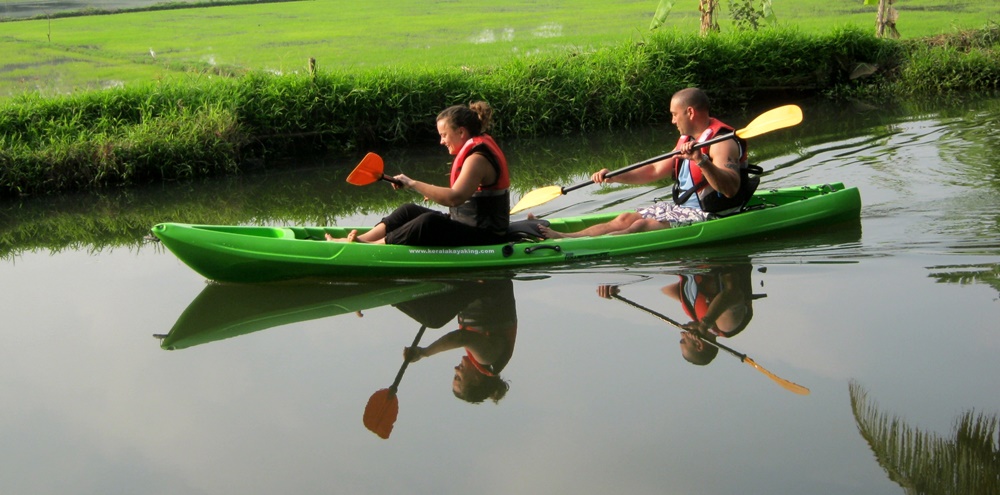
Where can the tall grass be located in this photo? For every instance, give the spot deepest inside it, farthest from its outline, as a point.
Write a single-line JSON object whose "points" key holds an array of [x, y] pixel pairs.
{"points": [[209, 125], [956, 63]]}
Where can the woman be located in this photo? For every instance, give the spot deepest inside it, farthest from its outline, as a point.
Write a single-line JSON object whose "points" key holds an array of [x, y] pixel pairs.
{"points": [[487, 330], [478, 196]]}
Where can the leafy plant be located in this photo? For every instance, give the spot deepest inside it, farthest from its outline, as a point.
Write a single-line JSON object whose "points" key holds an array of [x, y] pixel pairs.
{"points": [[745, 15]]}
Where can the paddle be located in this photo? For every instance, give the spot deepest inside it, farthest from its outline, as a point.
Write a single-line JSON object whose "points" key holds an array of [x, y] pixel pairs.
{"points": [[370, 171], [768, 121], [790, 386], [383, 405]]}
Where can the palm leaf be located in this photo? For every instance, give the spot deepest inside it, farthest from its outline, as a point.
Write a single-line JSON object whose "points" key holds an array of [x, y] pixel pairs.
{"points": [[926, 463]]}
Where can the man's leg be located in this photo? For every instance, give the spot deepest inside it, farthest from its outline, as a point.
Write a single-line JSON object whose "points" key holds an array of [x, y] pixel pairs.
{"points": [[619, 223], [643, 225]]}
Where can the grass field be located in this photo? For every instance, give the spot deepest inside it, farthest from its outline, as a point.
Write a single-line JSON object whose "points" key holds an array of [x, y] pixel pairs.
{"points": [[60, 55]]}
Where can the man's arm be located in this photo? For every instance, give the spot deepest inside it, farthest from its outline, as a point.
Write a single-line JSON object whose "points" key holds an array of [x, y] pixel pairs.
{"points": [[642, 175], [720, 167]]}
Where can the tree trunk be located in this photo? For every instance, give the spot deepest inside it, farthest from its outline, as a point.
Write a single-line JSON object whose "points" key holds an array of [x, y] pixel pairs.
{"points": [[708, 22], [885, 22]]}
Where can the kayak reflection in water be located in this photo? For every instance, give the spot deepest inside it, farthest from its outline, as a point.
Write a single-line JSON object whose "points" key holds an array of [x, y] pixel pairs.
{"points": [[487, 328], [718, 301]]}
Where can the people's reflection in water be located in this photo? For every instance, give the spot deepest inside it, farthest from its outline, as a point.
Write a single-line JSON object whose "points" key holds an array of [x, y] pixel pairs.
{"points": [[487, 328], [718, 301]]}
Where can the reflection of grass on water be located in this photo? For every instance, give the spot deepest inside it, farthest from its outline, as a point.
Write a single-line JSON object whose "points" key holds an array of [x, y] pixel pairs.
{"points": [[988, 274], [926, 463]]}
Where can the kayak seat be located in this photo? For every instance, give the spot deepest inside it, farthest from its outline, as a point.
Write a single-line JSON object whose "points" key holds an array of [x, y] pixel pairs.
{"points": [[747, 189], [525, 230]]}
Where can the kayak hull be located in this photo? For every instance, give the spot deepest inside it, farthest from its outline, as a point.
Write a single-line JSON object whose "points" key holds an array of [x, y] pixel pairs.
{"points": [[250, 254]]}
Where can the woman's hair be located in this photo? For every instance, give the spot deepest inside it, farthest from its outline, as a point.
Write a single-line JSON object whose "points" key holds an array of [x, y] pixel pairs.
{"points": [[486, 387], [477, 117]]}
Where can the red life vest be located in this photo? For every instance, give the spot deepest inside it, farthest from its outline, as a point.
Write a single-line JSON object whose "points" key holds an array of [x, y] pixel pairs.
{"points": [[489, 206], [715, 126], [709, 199], [503, 176], [696, 309], [507, 333], [709, 286]]}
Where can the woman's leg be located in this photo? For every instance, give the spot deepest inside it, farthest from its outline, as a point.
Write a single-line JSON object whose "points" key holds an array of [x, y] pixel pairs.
{"points": [[399, 217], [438, 230]]}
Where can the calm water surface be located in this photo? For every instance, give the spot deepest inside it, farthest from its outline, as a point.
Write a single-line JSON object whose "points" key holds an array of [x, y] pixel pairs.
{"points": [[265, 387]]}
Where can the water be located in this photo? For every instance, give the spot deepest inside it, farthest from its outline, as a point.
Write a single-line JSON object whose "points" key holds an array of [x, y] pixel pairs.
{"points": [[16, 9], [269, 395]]}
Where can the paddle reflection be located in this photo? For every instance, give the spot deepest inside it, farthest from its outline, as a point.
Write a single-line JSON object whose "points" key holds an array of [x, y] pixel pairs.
{"points": [[717, 301]]}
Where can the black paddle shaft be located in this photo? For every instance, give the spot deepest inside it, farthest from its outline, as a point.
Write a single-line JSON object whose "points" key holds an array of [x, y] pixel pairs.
{"points": [[673, 322], [406, 362], [649, 161]]}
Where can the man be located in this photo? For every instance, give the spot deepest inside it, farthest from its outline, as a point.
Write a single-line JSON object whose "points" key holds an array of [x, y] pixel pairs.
{"points": [[706, 181]]}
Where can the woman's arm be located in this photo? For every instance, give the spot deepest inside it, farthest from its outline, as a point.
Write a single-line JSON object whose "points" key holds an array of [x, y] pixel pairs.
{"points": [[476, 170]]}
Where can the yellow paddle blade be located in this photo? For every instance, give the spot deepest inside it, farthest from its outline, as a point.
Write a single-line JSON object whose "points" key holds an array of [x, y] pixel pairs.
{"points": [[789, 386], [774, 119], [367, 172], [537, 197]]}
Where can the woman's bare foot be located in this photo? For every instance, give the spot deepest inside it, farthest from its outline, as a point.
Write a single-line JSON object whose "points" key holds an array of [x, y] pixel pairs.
{"points": [[351, 237]]}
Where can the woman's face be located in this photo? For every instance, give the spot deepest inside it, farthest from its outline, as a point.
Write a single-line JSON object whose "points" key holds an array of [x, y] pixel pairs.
{"points": [[465, 373], [451, 137]]}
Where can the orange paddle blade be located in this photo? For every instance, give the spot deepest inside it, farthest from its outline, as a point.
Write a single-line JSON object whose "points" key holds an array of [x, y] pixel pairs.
{"points": [[381, 412], [368, 171]]}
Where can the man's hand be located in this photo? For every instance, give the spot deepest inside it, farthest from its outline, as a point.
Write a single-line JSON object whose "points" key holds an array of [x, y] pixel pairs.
{"points": [[688, 152], [600, 177], [607, 291]]}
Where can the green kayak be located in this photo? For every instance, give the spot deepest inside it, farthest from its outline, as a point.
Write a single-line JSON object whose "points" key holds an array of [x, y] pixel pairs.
{"points": [[262, 254]]}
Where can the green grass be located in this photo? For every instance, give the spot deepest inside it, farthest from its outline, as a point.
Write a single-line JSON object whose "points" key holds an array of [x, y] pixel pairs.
{"points": [[91, 52]]}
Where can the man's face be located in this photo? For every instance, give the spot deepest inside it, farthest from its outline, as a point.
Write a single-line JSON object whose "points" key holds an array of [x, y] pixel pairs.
{"points": [[680, 116]]}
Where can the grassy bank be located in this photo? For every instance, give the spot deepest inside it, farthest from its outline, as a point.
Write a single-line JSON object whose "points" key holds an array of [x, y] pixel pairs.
{"points": [[177, 130]]}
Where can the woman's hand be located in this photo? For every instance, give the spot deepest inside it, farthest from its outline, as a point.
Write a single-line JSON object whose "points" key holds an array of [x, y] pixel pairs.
{"points": [[404, 180], [413, 354]]}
